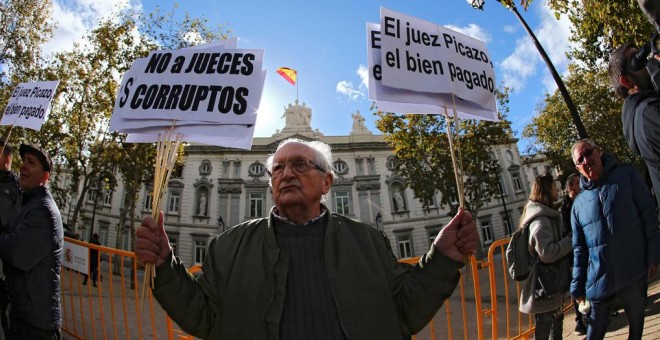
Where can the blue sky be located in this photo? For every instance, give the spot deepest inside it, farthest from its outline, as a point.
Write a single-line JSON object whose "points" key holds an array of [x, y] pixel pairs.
{"points": [[326, 43]]}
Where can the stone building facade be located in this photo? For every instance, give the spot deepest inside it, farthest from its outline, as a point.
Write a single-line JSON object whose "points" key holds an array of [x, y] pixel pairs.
{"points": [[221, 187]]}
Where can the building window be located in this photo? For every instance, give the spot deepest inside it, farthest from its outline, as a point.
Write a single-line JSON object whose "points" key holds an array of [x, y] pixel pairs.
{"points": [[517, 183], [148, 201], [103, 235], [486, 231], [342, 203], [200, 251], [256, 204], [432, 235], [502, 187], [431, 203], [535, 170], [126, 239], [107, 197], [174, 203], [405, 246], [91, 194], [340, 167]]}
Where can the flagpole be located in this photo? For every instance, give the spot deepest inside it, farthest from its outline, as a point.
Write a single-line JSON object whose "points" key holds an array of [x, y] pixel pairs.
{"points": [[297, 81]]}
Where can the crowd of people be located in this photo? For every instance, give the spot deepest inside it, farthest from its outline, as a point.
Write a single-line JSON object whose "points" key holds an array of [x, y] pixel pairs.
{"points": [[305, 272]]}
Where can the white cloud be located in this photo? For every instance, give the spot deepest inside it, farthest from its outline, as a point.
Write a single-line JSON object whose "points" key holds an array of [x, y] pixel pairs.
{"points": [[510, 28], [520, 65], [472, 30], [525, 59], [363, 72], [74, 18], [347, 89]]}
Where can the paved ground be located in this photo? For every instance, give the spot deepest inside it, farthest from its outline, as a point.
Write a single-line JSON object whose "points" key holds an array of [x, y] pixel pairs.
{"points": [[618, 328]]}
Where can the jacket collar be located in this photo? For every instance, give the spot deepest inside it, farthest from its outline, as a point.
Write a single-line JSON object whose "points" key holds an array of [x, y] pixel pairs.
{"points": [[36, 192]]}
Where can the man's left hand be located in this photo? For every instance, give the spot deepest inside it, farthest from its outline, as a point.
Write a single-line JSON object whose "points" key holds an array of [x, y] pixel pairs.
{"points": [[459, 237]]}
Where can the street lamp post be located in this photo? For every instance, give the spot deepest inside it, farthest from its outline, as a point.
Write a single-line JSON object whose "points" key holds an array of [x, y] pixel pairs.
{"points": [[99, 192], [582, 132], [379, 221], [221, 224], [506, 212]]}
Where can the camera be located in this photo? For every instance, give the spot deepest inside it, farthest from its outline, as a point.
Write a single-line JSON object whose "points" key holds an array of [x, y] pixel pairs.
{"points": [[645, 58], [641, 58]]}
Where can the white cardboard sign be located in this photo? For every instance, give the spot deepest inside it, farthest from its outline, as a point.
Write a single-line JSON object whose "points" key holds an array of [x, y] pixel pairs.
{"points": [[421, 56], [29, 104], [214, 84], [389, 99]]}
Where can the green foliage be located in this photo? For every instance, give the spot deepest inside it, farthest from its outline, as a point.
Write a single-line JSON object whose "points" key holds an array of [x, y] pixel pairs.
{"points": [[24, 26], [601, 26], [598, 28], [421, 145], [90, 74], [601, 113]]}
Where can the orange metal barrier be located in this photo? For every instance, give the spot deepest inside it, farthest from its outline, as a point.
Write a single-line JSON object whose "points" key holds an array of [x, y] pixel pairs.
{"points": [[110, 310]]}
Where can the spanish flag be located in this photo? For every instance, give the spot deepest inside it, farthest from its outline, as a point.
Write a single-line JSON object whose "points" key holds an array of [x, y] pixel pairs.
{"points": [[289, 74]]}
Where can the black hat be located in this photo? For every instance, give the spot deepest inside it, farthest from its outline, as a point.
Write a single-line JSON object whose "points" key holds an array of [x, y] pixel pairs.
{"points": [[39, 152]]}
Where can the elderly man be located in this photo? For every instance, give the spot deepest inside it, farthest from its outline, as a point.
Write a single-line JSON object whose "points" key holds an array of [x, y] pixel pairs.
{"points": [[31, 250], [616, 239], [304, 272]]}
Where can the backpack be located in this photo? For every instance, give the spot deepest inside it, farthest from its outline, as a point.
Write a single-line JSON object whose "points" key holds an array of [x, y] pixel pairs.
{"points": [[518, 258]]}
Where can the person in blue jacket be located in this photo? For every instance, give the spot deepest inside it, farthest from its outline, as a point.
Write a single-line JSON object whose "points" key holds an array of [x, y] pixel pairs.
{"points": [[616, 239]]}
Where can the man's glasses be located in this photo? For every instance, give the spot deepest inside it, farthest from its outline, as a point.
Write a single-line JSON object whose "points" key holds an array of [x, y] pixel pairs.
{"points": [[582, 160], [298, 165]]}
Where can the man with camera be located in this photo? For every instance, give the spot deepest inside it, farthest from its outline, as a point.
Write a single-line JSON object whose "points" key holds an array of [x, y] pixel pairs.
{"points": [[641, 107]]}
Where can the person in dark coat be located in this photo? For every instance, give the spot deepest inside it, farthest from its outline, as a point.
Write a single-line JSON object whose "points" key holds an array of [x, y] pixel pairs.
{"points": [[9, 195], [572, 189], [641, 109], [31, 248], [93, 260], [616, 240]]}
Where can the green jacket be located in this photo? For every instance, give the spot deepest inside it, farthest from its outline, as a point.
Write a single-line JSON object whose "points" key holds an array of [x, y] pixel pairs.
{"points": [[241, 292]]}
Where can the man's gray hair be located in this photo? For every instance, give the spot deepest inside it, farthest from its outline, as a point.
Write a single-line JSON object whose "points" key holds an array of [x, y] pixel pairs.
{"points": [[322, 156], [580, 142]]}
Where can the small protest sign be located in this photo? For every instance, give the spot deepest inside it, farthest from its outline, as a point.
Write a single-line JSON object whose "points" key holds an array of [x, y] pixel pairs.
{"points": [[421, 56], [29, 104], [390, 99]]}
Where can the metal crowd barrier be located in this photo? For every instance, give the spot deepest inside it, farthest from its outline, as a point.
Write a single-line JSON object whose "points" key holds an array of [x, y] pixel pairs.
{"points": [[112, 309]]}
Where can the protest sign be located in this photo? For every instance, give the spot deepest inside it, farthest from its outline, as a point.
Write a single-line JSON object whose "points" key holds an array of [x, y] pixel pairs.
{"points": [[243, 142], [29, 104], [214, 85], [421, 56], [390, 99]]}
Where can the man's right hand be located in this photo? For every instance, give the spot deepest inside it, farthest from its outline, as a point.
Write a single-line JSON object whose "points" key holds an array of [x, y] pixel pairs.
{"points": [[151, 242]]}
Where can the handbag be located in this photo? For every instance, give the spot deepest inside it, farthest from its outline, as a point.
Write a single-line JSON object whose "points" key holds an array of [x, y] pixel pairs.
{"points": [[551, 279]]}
